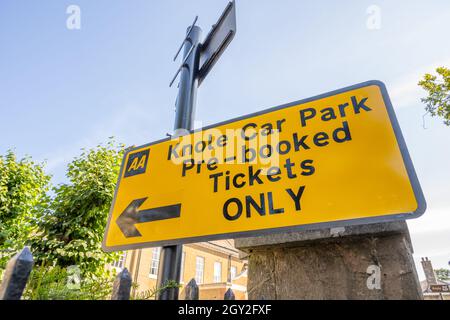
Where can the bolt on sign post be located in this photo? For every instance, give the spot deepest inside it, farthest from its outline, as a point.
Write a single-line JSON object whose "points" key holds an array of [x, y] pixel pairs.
{"points": [[333, 160]]}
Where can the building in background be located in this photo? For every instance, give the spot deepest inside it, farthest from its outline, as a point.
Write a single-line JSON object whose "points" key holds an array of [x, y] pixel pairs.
{"points": [[215, 265], [432, 280]]}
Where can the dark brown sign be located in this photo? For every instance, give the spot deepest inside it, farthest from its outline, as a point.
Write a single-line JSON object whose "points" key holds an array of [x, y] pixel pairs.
{"points": [[440, 288]]}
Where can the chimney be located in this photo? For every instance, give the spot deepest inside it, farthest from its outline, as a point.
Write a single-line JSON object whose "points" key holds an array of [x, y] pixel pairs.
{"points": [[429, 271]]}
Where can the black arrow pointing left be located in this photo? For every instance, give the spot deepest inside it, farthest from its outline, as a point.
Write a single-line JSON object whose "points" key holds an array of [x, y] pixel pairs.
{"points": [[132, 216]]}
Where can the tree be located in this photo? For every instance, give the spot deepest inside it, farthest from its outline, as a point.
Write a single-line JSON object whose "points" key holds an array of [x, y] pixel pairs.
{"points": [[70, 231], [438, 88], [443, 274], [23, 187]]}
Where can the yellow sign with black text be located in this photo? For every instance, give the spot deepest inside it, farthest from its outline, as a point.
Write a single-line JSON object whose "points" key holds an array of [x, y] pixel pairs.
{"points": [[333, 160]]}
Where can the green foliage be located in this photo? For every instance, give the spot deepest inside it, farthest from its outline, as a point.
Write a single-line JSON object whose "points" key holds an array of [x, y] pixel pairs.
{"points": [[71, 230], [154, 292], [23, 187], [443, 274], [65, 229], [438, 88], [51, 283]]}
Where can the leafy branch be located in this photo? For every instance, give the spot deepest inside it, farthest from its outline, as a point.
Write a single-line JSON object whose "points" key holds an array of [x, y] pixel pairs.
{"points": [[438, 88]]}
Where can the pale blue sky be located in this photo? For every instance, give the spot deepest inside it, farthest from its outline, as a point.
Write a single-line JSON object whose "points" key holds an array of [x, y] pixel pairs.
{"points": [[62, 90]]}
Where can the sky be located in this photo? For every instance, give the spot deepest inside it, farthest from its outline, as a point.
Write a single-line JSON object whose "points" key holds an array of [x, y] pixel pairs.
{"points": [[64, 89]]}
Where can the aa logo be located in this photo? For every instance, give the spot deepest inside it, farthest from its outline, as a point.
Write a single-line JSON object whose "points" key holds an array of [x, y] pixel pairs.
{"points": [[137, 163]]}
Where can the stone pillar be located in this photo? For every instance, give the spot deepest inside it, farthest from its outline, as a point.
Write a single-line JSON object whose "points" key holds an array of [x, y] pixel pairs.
{"points": [[430, 275], [372, 262]]}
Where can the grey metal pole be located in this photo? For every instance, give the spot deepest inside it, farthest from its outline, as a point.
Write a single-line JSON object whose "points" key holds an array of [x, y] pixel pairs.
{"points": [[187, 94], [171, 256]]}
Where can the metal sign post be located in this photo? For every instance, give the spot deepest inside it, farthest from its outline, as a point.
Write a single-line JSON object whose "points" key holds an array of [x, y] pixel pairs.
{"points": [[170, 259], [191, 75]]}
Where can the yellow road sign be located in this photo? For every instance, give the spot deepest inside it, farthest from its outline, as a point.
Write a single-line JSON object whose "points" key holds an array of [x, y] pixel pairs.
{"points": [[333, 160]]}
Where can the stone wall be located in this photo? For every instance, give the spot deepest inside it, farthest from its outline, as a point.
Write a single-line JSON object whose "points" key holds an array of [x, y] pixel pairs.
{"points": [[314, 267]]}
